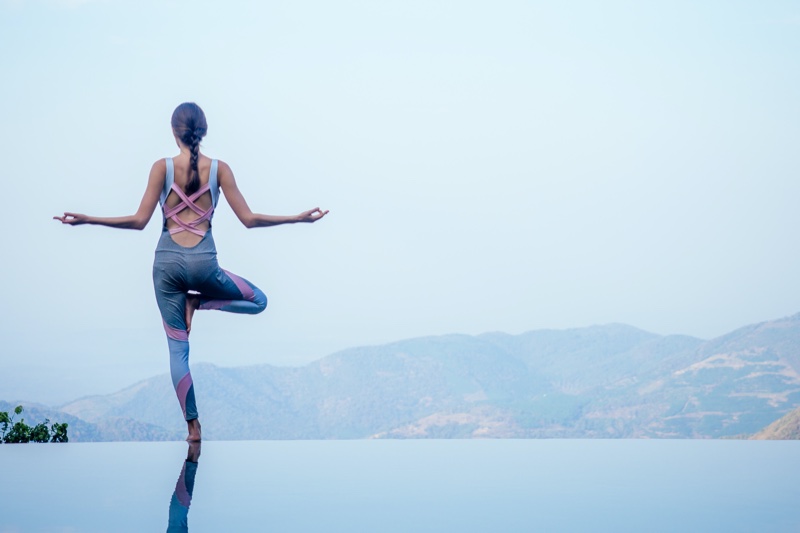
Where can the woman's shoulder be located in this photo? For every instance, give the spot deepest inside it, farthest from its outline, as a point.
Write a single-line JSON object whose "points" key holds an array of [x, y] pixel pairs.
{"points": [[223, 169], [159, 168], [221, 164]]}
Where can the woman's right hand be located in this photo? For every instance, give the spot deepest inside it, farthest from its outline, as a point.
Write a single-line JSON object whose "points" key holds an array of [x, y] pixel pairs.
{"points": [[73, 219], [312, 215]]}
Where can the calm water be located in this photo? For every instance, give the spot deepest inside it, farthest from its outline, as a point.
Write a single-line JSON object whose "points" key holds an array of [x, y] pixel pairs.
{"points": [[410, 485]]}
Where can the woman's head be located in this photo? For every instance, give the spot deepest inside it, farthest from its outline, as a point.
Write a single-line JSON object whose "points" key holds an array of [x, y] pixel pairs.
{"points": [[189, 126], [189, 123]]}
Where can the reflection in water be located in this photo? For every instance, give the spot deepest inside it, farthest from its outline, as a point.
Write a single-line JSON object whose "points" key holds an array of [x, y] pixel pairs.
{"points": [[182, 497]]}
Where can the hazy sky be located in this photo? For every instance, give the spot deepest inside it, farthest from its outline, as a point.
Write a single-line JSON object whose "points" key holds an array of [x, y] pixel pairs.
{"points": [[488, 166]]}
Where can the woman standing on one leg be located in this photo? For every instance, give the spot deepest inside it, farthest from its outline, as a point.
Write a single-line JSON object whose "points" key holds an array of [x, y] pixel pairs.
{"points": [[187, 186]]}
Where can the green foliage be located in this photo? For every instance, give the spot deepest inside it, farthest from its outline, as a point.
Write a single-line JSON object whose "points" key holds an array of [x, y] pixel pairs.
{"points": [[59, 432], [40, 433], [20, 432]]}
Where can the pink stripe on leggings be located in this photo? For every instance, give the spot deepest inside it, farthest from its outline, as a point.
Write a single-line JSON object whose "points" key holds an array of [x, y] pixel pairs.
{"points": [[182, 390], [181, 491], [214, 304], [176, 334], [242, 285]]}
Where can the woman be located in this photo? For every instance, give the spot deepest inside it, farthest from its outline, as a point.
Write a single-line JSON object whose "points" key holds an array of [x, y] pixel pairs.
{"points": [[186, 275]]}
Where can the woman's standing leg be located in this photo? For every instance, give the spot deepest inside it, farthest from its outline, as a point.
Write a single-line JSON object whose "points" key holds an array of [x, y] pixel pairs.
{"points": [[169, 283], [174, 274]]}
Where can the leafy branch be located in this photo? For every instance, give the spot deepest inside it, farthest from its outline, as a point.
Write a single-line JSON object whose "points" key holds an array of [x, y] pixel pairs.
{"points": [[18, 432]]}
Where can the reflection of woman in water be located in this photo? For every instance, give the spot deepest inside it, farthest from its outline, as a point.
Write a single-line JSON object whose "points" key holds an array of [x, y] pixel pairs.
{"points": [[185, 272], [182, 497]]}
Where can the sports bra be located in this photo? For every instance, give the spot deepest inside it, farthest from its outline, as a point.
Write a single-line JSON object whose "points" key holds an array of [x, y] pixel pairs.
{"points": [[171, 213]]}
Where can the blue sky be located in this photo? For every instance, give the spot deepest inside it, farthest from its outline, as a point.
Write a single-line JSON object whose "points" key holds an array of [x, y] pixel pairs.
{"points": [[488, 166]]}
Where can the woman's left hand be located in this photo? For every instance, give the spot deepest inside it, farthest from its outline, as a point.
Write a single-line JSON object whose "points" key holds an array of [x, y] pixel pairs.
{"points": [[312, 215]]}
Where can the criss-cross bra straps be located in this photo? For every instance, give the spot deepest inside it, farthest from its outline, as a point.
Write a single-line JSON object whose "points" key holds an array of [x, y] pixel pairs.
{"points": [[188, 202]]}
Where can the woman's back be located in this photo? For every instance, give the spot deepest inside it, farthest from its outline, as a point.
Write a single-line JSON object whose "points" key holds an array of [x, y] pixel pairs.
{"points": [[182, 175]]}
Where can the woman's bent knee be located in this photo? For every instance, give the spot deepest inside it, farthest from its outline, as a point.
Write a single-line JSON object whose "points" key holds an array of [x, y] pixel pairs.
{"points": [[260, 300]]}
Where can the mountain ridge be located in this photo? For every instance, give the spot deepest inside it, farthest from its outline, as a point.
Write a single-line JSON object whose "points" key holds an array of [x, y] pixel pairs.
{"points": [[611, 380]]}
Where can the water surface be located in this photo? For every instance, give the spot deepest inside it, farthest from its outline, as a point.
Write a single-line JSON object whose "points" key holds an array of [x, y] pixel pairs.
{"points": [[404, 485]]}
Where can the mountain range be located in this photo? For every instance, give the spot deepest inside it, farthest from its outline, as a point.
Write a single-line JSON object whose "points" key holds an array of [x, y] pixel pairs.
{"points": [[607, 381]]}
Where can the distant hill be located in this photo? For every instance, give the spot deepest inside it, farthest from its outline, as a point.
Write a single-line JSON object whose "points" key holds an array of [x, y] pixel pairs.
{"points": [[79, 430], [601, 381], [785, 428]]}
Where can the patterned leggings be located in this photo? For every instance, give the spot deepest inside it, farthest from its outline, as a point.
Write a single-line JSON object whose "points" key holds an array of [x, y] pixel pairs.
{"points": [[177, 270]]}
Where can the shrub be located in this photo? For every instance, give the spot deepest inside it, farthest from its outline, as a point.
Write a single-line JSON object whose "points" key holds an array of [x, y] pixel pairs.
{"points": [[21, 432]]}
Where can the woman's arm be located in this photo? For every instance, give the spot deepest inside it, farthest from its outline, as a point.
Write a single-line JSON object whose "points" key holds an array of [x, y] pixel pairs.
{"points": [[155, 184], [256, 220]]}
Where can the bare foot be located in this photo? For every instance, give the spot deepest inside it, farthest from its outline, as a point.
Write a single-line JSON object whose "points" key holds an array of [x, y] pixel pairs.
{"points": [[194, 430], [192, 304]]}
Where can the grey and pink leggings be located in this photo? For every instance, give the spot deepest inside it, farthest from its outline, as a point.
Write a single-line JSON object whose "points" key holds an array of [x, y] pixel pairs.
{"points": [[178, 270]]}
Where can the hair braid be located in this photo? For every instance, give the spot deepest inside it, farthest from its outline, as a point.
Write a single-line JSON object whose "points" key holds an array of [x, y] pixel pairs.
{"points": [[194, 174], [189, 124]]}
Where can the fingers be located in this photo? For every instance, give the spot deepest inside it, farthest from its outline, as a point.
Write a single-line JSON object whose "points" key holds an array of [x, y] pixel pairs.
{"points": [[317, 214], [69, 218], [312, 215]]}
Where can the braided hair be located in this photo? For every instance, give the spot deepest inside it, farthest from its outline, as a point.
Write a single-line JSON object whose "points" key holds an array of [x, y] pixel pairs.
{"points": [[189, 125]]}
